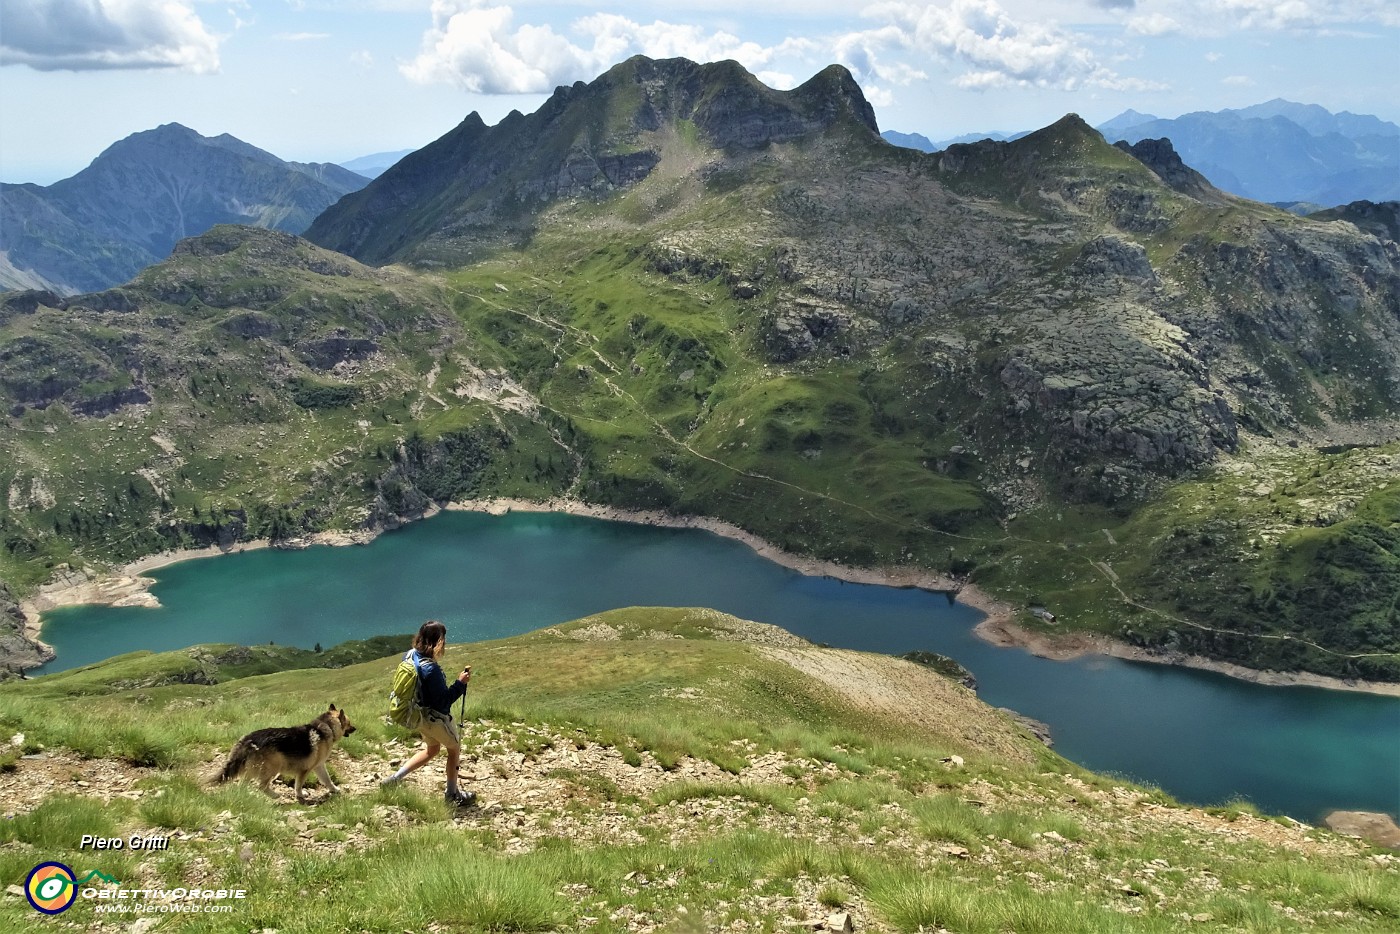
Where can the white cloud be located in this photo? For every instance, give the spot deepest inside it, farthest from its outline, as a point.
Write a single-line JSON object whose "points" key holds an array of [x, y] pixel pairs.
{"points": [[1222, 17], [1153, 24], [1242, 81], [362, 58], [83, 35], [301, 36], [997, 50], [777, 79], [480, 48]]}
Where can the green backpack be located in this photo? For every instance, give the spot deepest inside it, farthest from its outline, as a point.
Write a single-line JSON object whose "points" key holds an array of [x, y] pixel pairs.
{"points": [[404, 708]]}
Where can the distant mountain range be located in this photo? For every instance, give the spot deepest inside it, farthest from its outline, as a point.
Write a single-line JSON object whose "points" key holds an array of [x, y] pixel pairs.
{"points": [[375, 165], [1278, 151], [1282, 151], [924, 144], [144, 193]]}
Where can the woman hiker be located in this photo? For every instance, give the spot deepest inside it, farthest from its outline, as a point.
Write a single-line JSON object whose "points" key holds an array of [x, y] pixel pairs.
{"points": [[436, 697]]}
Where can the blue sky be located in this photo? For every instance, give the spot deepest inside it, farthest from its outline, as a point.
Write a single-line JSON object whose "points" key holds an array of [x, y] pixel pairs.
{"points": [[314, 80]]}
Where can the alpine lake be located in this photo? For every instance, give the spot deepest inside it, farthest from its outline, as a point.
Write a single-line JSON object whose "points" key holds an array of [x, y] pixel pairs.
{"points": [[1204, 738]]}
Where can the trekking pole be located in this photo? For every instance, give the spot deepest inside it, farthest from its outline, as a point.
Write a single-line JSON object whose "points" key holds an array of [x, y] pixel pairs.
{"points": [[462, 710]]}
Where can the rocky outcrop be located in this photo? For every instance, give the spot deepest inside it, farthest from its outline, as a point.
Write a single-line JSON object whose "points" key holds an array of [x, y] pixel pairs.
{"points": [[28, 301], [1036, 728], [1378, 829], [799, 329], [1160, 156], [251, 324], [326, 352], [115, 300], [109, 402], [1105, 257], [1380, 220], [17, 650], [948, 667]]}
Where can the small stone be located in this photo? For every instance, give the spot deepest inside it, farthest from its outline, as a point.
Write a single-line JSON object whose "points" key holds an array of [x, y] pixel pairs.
{"points": [[841, 921], [14, 890], [17, 739]]}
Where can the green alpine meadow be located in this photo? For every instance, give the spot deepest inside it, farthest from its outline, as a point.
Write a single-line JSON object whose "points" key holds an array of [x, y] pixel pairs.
{"points": [[645, 769]]}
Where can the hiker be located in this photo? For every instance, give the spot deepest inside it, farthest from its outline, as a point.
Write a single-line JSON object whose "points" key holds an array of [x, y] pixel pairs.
{"points": [[436, 697]]}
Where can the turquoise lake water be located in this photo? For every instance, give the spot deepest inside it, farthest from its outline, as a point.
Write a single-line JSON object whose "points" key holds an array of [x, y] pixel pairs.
{"points": [[1204, 738]]}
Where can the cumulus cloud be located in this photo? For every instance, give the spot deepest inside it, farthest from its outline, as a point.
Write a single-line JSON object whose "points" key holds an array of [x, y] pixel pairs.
{"points": [[1222, 17], [83, 35], [997, 50], [1153, 24], [480, 48]]}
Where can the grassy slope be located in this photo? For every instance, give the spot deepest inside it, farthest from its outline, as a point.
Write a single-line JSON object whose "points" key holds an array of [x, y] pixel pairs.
{"points": [[641, 769]]}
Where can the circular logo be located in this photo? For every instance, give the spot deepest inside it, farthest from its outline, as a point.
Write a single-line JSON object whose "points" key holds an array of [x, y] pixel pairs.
{"points": [[50, 888]]}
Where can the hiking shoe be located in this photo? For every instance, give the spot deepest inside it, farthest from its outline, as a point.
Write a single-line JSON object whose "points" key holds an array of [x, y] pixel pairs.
{"points": [[460, 799]]}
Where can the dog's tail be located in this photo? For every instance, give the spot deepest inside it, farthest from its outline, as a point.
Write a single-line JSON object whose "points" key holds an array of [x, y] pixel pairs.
{"points": [[237, 761]]}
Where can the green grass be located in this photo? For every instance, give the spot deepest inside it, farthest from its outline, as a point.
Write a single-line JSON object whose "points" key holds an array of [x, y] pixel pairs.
{"points": [[876, 835]]}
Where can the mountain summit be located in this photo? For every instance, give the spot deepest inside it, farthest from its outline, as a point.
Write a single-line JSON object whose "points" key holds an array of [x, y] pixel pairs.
{"points": [[587, 140], [143, 194]]}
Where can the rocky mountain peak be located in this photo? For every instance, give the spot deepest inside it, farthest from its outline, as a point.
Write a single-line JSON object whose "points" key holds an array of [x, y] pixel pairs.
{"points": [[588, 139], [1161, 157], [145, 192]]}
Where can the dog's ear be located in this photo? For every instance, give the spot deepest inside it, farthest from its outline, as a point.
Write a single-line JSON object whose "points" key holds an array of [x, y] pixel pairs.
{"points": [[332, 708]]}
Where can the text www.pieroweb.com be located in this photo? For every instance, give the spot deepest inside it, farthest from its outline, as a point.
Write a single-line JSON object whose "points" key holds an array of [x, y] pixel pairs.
{"points": [[166, 901], [121, 908]]}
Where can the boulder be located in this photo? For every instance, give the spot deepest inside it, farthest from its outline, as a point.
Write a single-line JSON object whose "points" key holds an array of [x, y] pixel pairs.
{"points": [[1377, 829]]}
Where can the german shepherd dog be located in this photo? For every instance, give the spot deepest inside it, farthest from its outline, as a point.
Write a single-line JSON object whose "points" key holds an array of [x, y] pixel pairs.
{"points": [[296, 750]]}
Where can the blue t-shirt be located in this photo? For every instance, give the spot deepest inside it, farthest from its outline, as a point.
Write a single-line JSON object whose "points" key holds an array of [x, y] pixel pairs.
{"points": [[433, 689]]}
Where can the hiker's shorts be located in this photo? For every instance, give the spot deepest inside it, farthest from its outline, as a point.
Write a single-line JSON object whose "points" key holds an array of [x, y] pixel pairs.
{"points": [[439, 728]]}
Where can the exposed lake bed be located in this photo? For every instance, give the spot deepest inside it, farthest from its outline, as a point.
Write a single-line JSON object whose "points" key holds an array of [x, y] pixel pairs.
{"points": [[490, 575]]}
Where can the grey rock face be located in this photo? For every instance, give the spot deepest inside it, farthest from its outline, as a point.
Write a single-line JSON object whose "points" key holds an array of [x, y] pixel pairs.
{"points": [[17, 651], [325, 353], [478, 184], [802, 329], [1161, 157], [1114, 256]]}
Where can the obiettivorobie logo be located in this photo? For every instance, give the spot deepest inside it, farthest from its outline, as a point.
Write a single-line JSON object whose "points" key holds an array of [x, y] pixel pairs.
{"points": [[52, 887]]}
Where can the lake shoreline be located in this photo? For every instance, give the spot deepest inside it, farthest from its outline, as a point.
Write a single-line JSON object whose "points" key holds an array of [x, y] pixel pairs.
{"points": [[129, 586]]}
